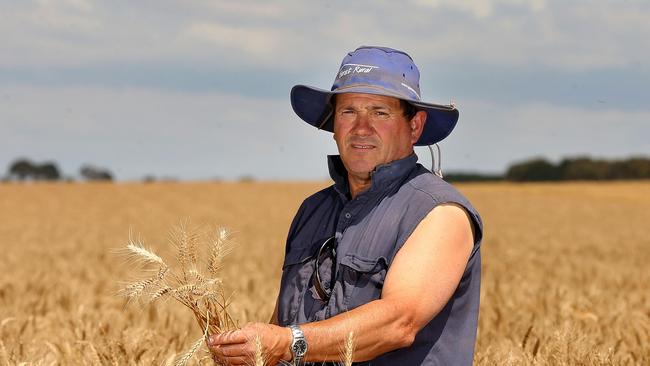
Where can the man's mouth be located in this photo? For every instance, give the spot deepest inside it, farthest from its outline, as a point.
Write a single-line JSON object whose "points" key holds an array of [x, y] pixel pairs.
{"points": [[363, 147]]}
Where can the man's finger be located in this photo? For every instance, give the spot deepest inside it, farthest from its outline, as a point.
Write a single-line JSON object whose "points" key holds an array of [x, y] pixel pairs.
{"points": [[232, 350], [232, 337]]}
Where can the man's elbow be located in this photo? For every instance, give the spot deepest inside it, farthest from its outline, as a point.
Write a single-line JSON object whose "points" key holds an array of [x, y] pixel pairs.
{"points": [[406, 333], [406, 323], [405, 327]]}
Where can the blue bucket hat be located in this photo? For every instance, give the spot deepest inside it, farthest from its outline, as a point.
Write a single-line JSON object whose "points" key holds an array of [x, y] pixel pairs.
{"points": [[380, 71]]}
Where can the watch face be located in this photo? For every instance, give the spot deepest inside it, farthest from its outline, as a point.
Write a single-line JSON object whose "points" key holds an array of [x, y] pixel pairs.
{"points": [[300, 347]]}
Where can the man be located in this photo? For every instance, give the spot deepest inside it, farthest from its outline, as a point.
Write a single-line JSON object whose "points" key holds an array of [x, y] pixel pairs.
{"points": [[390, 252]]}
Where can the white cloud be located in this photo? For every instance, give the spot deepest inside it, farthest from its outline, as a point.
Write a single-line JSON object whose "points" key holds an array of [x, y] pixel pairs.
{"points": [[478, 8], [481, 8], [567, 35], [248, 9], [308, 38], [256, 42], [67, 15]]}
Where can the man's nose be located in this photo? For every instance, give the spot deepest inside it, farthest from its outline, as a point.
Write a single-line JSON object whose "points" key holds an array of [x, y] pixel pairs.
{"points": [[362, 125]]}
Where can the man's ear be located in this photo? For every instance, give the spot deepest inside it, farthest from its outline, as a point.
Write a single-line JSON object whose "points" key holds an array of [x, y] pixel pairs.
{"points": [[417, 125]]}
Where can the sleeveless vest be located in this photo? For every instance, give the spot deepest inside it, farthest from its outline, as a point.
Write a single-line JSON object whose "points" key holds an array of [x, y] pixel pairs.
{"points": [[369, 231]]}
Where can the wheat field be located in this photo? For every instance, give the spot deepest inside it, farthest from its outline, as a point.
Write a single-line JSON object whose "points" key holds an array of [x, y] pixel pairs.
{"points": [[565, 277]]}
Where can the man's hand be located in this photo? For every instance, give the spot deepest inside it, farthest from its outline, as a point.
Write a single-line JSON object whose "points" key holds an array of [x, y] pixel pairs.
{"points": [[238, 347]]}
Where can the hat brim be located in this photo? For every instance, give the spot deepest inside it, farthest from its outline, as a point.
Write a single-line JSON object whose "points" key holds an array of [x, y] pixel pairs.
{"points": [[312, 105]]}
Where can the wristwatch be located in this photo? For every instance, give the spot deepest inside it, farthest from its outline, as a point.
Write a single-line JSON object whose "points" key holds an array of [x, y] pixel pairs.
{"points": [[298, 345]]}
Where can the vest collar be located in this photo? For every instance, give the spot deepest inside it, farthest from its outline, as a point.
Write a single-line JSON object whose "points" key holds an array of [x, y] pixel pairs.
{"points": [[382, 176]]}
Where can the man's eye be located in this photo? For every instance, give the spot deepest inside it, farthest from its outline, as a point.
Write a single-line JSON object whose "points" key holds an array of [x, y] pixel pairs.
{"points": [[347, 112]]}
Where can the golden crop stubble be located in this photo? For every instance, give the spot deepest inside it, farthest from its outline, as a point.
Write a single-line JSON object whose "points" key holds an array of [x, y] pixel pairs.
{"points": [[563, 268]]}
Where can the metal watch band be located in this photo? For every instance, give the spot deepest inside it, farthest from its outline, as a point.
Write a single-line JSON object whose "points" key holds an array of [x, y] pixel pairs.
{"points": [[298, 345]]}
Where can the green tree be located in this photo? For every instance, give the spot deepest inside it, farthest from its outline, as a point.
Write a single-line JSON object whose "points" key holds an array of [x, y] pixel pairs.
{"points": [[537, 169]]}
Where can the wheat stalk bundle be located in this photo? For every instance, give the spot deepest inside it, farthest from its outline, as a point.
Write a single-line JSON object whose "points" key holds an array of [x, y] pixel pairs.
{"points": [[195, 283]]}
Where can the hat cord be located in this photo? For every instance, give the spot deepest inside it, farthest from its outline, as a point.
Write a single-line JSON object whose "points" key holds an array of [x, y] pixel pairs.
{"points": [[436, 168]]}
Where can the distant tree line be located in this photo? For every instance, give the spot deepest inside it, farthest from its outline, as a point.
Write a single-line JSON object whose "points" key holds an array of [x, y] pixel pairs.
{"points": [[471, 177], [532, 170], [579, 168], [26, 170]]}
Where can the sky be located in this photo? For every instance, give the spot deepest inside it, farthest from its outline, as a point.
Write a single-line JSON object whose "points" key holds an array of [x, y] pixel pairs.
{"points": [[199, 89]]}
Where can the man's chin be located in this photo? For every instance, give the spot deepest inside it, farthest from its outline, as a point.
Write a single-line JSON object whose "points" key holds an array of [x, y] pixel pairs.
{"points": [[361, 171], [359, 166]]}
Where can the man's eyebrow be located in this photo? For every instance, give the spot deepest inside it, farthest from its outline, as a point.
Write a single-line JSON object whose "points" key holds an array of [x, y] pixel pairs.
{"points": [[341, 108], [370, 107]]}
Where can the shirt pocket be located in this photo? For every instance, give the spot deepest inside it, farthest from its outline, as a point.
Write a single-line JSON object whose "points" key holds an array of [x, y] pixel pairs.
{"points": [[362, 279], [297, 270]]}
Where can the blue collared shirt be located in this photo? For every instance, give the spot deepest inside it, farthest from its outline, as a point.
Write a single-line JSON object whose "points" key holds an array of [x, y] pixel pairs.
{"points": [[369, 231]]}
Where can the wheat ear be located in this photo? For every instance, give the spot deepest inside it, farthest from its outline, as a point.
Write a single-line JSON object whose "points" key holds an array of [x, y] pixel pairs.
{"points": [[186, 242], [348, 352], [259, 356], [218, 250], [142, 254]]}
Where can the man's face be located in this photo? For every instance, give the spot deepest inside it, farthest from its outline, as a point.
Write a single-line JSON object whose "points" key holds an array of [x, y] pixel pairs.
{"points": [[371, 130]]}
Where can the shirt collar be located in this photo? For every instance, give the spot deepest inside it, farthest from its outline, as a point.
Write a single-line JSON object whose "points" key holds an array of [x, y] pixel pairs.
{"points": [[382, 176]]}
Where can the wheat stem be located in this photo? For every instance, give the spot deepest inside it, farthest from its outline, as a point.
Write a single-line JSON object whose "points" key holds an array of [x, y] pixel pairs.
{"points": [[4, 356]]}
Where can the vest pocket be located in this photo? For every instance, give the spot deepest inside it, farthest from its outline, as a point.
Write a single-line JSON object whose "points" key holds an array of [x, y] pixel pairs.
{"points": [[301, 264], [362, 279]]}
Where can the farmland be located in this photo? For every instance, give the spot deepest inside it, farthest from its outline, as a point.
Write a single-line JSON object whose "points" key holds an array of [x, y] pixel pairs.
{"points": [[565, 268]]}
